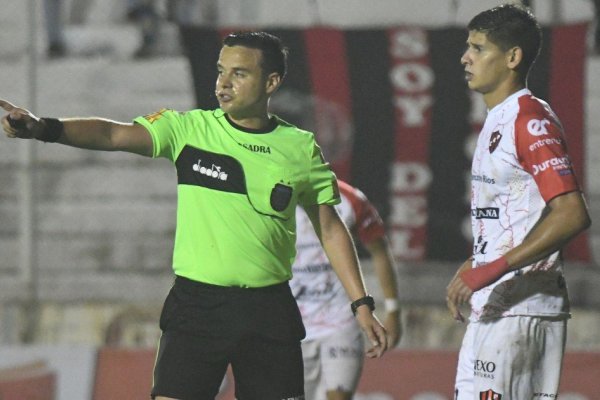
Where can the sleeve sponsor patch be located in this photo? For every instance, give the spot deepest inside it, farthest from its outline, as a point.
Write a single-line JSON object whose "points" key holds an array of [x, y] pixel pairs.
{"points": [[543, 153]]}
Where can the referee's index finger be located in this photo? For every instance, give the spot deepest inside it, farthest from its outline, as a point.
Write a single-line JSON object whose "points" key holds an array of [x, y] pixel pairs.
{"points": [[6, 105]]}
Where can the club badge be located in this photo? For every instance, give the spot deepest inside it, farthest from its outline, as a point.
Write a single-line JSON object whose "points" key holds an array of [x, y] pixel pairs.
{"points": [[280, 197], [489, 395], [494, 141]]}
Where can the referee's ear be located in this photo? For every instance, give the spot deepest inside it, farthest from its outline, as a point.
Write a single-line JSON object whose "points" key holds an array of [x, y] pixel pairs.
{"points": [[272, 83]]}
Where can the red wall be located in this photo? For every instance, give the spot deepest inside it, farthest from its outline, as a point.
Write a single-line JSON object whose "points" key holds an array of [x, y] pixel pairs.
{"points": [[33, 381]]}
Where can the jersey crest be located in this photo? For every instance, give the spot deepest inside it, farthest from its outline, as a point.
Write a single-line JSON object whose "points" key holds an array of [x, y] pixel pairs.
{"points": [[494, 141], [489, 395]]}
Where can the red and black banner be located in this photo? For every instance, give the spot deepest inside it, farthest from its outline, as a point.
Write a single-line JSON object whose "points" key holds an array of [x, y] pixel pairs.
{"points": [[394, 116]]}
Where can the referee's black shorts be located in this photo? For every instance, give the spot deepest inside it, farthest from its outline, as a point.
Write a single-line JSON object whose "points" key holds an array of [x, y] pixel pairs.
{"points": [[206, 327]]}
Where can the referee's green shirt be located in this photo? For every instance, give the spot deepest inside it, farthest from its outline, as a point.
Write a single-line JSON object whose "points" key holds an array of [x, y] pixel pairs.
{"points": [[237, 193]]}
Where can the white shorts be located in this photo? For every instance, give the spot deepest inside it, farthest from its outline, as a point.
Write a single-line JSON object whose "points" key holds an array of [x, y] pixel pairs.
{"points": [[511, 358], [332, 363]]}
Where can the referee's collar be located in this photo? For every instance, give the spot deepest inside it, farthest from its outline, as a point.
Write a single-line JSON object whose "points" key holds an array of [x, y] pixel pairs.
{"points": [[268, 129]]}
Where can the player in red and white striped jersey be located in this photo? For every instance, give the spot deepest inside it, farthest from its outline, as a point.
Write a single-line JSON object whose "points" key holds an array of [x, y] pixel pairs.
{"points": [[526, 205], [333, 348]]}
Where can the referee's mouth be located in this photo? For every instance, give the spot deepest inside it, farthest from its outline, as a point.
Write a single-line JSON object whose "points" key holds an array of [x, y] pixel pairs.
{"points": [[224, 97]]}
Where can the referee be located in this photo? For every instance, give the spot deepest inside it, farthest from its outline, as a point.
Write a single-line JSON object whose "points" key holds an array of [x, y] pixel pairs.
{"points": [[241, 172]]}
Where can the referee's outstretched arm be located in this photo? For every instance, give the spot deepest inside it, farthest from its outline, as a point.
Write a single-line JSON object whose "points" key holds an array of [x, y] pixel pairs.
{"points": [[85, 133]]}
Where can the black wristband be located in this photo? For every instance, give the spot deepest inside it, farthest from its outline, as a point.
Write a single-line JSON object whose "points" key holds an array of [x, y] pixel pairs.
{"points": [[53, 129], [367, 300], [17, 124]]}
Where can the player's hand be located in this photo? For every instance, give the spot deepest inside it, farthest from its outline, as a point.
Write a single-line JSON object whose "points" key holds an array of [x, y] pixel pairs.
{"points": [[375, 332], [457, 293], [393, 327], [19, 122]]}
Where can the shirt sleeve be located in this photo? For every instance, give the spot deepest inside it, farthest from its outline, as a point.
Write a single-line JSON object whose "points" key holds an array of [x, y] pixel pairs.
{"points": [[164, 126], [368, 224], [542, 152], [322, 185]]}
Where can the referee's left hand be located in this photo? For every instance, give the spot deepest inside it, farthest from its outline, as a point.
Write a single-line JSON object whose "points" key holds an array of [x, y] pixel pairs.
{"points": [[374, 330]]}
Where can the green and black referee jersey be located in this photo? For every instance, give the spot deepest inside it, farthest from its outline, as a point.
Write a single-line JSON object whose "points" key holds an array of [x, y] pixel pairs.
{"points": [[237, 193]]}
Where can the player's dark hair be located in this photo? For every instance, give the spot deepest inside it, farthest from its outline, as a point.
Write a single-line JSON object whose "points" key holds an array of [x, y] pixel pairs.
{"points": [[274, 53], [508, 26]]}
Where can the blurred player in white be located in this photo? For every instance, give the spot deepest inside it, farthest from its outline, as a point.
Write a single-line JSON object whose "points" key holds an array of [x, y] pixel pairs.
{"points": [[333, 349], [526, 205]]}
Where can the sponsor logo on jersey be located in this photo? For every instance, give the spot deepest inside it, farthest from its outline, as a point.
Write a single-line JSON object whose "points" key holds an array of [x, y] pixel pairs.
{"points": [[537, 127], [316, 268], [486, 213], [545, 395], [564, 172], [483, 178], [197, 167], [489, 395], [494, 141], [317, 292], [257, 148], [557, 164], [480, 246], [214, 171], [544, 142], [344, 352], [484, 369]]}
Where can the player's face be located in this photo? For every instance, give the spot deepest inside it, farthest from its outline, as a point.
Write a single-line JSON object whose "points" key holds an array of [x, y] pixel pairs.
{"points": [[485, 64], [242, 89]]}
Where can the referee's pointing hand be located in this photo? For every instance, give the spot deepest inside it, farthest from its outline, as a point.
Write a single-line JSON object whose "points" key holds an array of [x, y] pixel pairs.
{"points": [[19, 122]]}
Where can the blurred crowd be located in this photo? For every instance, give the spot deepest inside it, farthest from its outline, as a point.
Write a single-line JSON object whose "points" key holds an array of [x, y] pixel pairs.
{"points": [[149, 15]]}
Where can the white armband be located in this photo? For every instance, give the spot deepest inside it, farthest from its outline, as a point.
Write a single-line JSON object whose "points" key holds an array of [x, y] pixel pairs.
{"points": [[391, 305]]}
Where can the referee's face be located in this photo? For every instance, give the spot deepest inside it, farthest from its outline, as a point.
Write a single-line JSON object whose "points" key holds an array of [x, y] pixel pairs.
{"points": [[242, 88]]}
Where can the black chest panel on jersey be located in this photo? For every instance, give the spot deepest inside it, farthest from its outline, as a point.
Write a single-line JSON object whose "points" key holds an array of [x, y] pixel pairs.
{"points": [[211, 170]]}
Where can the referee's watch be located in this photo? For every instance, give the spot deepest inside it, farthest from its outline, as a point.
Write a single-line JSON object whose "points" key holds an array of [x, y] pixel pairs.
{"points": [[367, 300]]}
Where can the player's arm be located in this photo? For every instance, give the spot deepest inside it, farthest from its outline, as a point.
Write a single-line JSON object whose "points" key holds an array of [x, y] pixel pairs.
{"points": [[340, 250], [87, 133], [565, 216], [383, 262]]}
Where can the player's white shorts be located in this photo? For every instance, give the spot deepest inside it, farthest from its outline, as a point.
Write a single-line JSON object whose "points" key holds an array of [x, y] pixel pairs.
{"points": [[332, 363], [511, 358]]}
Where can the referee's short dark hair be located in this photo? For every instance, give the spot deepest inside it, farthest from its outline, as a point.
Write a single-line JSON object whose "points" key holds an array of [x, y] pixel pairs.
{"points": [[274, 53], [511, 25]]}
